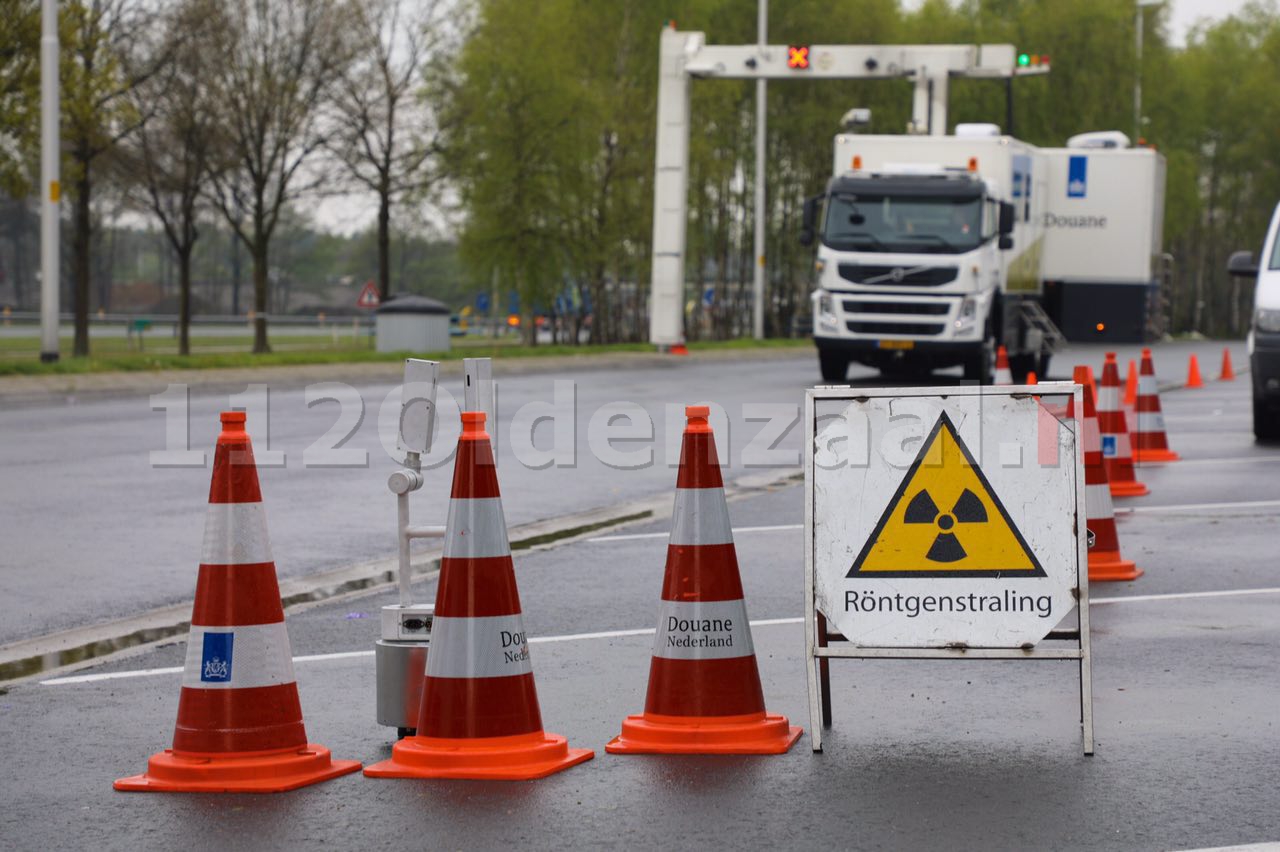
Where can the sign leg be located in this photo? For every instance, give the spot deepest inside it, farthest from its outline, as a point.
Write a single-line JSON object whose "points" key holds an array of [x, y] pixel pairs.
{"points": [[824, 673]]}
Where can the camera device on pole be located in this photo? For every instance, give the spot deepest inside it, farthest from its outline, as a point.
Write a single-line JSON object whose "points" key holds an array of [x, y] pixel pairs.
{"points": [[400, 655]]}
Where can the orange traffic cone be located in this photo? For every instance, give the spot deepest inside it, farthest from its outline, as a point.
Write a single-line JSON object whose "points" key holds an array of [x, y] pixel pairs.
{"points": [[1093, 383], [1149, 441], [679, 349], [1003, 375], [1104, 557], [1228, 374], [1193, 373], [704, 686], [1131, 384], [239, 723], [1116, 452], [1031, 378], [479, 716]]}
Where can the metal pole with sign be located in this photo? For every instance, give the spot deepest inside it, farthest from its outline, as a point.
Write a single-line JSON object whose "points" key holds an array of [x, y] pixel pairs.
{"points": [[944, 523]]}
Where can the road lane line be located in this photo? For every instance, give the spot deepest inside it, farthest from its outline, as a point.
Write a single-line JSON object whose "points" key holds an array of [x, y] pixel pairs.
{"points": [[1198, 507], [736, 530], [643, 631], [1175, 596], [1231, 460]]}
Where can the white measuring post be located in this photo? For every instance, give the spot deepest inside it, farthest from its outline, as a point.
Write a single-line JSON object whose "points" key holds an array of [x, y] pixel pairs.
{"points": [[401, 652], [944, 523]]}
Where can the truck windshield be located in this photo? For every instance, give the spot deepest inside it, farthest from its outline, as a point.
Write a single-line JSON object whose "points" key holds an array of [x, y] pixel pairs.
{"points": [[913, 223]]}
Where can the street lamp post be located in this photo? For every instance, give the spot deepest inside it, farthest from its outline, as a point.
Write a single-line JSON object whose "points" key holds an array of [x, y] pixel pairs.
{"points": [[50, 191], [1137, 74]]}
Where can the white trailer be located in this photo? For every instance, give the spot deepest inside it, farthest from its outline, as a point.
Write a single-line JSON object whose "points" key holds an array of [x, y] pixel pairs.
{"points": [[929, 254], [1103, 227]]}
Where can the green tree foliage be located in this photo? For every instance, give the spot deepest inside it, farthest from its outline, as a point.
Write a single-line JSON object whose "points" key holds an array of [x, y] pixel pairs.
{"points": [[19, 94], [554, 156]]}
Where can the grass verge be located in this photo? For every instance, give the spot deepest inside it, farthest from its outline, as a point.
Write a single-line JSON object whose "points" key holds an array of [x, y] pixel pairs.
{"points": [[151, 361]]}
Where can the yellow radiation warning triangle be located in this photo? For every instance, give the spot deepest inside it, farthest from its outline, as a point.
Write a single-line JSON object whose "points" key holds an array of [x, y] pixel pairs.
{"points": [[945, 520]]}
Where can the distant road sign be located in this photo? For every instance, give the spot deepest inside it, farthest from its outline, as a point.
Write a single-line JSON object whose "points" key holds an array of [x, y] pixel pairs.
{"points": [[482, 302], [369, 297]]}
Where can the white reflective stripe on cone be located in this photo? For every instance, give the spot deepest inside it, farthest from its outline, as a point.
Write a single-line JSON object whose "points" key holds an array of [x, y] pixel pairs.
{"points": [[1150, 421], [488, 646], [1108, 399], [700, 516], [238, 657], [1147, 386], [1097, 502], [702, 630], [235, 534], [476, 529]]}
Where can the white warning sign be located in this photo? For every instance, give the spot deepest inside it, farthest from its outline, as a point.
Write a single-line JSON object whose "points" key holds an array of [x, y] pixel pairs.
{"points": [[943, 521]]}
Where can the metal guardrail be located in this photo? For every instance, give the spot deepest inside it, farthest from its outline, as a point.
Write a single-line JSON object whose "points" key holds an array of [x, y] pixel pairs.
{"points": [[318, 319]]}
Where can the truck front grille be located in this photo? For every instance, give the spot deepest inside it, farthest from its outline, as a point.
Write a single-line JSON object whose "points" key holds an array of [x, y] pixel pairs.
{"points": [[854, 306], [912, 328], [898, 276]]}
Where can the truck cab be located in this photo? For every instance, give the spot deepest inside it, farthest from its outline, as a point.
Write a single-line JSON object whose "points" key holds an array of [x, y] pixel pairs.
{"points": [[909, 271], [1264, 331]]}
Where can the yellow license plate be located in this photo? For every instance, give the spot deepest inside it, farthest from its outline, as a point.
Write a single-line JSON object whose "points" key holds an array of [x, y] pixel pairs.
{"points": [[897, 344]]}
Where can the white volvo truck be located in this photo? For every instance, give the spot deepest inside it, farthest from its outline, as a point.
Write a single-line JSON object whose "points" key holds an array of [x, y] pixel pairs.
{"points": [[932, 250]]}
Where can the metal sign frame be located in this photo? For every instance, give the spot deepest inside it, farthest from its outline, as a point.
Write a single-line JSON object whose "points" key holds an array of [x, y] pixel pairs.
{"points": [[823, 645]]}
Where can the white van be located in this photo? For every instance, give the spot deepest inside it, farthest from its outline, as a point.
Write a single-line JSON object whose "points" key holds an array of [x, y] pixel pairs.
{"points": [[1264, 330]]}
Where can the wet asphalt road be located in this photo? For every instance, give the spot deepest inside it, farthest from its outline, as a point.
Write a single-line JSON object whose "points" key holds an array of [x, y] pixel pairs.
{"points": [[956, 755], [94, 532]]}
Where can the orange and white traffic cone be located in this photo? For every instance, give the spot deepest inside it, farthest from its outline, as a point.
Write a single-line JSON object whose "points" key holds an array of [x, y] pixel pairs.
{"points": [[704, 686], [1193, 372], [1003, 375], [1031, 377], [1149, 441], [479, 716], [1228, 374], [1131, 385], [1105, 563], [1116, 452], [239, 726], [1091, 381], [1130, 402]]}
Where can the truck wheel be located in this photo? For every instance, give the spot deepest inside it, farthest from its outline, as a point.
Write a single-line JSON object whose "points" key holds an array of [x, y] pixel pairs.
{"points": [[1266, 422], [833, 365], [977, 366]]}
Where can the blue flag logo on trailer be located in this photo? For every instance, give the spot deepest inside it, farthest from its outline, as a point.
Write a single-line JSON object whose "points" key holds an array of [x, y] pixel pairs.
{"points": [[1077, 176], [215, 661]]}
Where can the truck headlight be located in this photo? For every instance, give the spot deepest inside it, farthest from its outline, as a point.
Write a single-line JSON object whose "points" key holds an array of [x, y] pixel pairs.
{"points": [[1267, 319], [826, 305], [968, 312]]}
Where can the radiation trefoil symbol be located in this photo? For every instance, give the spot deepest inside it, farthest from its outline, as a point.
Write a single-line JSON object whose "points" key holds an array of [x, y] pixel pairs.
{"points": [[945, 520]]}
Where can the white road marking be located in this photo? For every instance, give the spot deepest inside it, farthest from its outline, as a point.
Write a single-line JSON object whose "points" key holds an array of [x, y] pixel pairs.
{"points": [[643, 631], [736, 530], [1198, 507], [1232, 460]]}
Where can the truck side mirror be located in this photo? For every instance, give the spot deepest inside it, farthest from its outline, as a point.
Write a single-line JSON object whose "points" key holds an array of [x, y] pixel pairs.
{"points": [[1005, 242], [1242, 265], [810, 217], [1007, 216]]}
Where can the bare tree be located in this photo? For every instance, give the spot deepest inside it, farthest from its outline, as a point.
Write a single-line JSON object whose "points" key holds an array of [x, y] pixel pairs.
{"points": [[178, 151], [275, 65], [386, 139], [106, 57]]}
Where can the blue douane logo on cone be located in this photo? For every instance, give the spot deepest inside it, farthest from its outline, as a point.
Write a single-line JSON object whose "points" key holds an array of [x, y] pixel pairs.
{"points": [[215, 661], [1108, 445]]}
